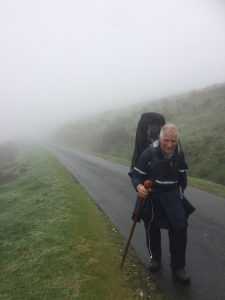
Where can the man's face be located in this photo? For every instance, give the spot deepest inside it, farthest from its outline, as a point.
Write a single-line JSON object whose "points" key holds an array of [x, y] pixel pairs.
{"points": [[168, 143]]}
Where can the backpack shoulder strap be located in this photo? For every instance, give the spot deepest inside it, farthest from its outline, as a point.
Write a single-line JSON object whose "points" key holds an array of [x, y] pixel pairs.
{"points": [[153, 153]]}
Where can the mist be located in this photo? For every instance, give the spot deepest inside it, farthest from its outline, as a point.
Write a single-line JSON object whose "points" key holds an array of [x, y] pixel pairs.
{"points": [[64, 60]]}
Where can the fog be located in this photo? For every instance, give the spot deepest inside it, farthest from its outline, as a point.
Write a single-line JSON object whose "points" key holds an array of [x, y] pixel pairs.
{"points": [[63, 60]]}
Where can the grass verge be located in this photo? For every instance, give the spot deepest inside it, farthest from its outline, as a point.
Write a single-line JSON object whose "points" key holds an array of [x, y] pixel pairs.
{"points": [[56, 244], [208, 186]]}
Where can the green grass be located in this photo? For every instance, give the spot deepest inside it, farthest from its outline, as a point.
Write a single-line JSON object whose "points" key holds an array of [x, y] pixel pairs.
{"points": [[208, 186], [56, 244]]}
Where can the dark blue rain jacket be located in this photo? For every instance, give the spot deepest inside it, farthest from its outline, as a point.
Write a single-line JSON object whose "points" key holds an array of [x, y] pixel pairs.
{"points": [[165, 203]]}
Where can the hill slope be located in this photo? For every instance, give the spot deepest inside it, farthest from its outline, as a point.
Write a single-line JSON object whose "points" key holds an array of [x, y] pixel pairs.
{"points": [[199, 115]]}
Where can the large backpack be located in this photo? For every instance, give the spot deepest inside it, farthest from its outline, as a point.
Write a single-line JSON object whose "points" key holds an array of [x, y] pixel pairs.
{"points": [[147, 132]]}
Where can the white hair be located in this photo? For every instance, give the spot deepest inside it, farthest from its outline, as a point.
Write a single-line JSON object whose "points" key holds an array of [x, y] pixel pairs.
{"points": [[169, 128]]}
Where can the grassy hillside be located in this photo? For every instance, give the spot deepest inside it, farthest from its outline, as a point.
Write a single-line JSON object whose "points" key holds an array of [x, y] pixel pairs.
{"points": [[199, 115], [49, 246]]}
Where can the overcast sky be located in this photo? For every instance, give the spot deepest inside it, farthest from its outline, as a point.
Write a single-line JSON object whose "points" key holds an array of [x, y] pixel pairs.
{"points": [[63, 59]]}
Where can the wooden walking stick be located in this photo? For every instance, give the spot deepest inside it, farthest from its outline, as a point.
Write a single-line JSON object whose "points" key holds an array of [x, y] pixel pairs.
{"points": [[147, 185]]}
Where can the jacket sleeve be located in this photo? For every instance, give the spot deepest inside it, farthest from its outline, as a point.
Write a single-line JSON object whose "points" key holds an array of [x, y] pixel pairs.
{"points": [[183, 168], [141, 169]]}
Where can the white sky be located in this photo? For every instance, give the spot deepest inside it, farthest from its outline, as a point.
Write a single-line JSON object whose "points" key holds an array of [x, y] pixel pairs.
{"points": [[61, 60]]}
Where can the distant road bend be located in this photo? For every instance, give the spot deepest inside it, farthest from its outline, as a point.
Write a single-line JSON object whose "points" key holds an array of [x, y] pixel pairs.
{"points": [[116, 197]]}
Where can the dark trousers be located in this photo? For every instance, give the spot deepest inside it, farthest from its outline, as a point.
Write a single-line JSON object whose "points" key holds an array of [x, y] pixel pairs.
{"points": [[177, 244]]}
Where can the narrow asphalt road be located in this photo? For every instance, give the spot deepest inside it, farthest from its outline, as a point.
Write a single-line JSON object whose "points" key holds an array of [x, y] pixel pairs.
{"points": [[109, 185]]}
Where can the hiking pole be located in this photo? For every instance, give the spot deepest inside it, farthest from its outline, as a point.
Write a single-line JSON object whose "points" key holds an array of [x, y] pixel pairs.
{"points": [[147, 185]]}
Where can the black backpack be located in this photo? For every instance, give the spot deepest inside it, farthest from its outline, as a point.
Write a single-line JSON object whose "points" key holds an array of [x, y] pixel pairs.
{"points": [[147, 132]]}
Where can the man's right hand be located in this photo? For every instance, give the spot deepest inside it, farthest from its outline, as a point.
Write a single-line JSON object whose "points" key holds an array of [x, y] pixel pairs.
{"points": [[142, 191]]}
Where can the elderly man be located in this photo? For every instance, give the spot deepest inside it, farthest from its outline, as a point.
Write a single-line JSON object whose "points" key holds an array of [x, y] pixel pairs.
{"points": [[164, 205]]}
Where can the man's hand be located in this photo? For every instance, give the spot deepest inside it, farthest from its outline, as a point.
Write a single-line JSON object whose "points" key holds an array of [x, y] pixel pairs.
{"points": [[143, 191]]}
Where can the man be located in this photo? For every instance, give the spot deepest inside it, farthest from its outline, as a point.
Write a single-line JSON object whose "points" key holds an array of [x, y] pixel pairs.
{"points": [[164, 206]]}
